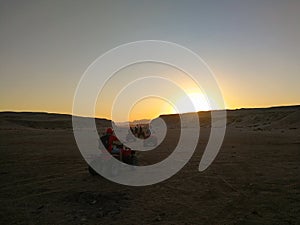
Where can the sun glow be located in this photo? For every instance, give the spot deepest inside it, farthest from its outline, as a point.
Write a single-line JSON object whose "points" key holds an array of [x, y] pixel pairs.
{"points": [[149, 108], [192, 102], [199, 100]]}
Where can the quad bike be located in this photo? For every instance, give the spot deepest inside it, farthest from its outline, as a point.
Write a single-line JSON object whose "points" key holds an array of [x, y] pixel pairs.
{"points": [[107, 163]]}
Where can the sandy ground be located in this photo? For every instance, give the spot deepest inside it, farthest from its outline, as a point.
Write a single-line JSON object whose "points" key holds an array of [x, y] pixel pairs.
{"points": [[255, 178]]}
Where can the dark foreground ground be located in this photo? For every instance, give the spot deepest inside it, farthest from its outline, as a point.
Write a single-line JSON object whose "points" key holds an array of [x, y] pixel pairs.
{"points": [[255, 179]]}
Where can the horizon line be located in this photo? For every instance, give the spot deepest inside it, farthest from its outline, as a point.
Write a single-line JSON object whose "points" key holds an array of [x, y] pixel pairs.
{"points": [[67, 114]]}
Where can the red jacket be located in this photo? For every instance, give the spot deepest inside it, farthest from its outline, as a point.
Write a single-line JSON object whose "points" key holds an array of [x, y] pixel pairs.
{"points": [[111, 140]]}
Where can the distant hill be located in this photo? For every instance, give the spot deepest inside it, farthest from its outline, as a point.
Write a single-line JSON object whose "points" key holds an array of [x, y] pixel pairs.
{"points": [[41, 120], [133, 123], [256, 118], [266, 118]]}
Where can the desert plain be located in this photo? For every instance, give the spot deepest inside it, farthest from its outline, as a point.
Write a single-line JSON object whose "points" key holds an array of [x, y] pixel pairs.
{"points": [[255, 178]]}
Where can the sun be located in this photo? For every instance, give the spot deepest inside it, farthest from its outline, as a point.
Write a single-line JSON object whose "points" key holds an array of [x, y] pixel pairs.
{"points": [[191, 102], [199, 100]]}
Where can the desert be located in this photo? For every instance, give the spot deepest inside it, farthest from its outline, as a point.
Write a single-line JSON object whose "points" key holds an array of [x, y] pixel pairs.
{"points": [[253, 180]]}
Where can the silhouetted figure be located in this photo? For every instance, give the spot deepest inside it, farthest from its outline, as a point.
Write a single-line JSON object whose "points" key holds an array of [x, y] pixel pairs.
{"points": [[141, 135], [136, 130]]}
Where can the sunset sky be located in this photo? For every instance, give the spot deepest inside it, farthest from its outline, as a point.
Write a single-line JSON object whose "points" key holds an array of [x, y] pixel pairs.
{"points": [[45, 46]]}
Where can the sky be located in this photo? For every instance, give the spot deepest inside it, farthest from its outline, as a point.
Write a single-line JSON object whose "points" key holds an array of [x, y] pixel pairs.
{"points": [[45, 47]]}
